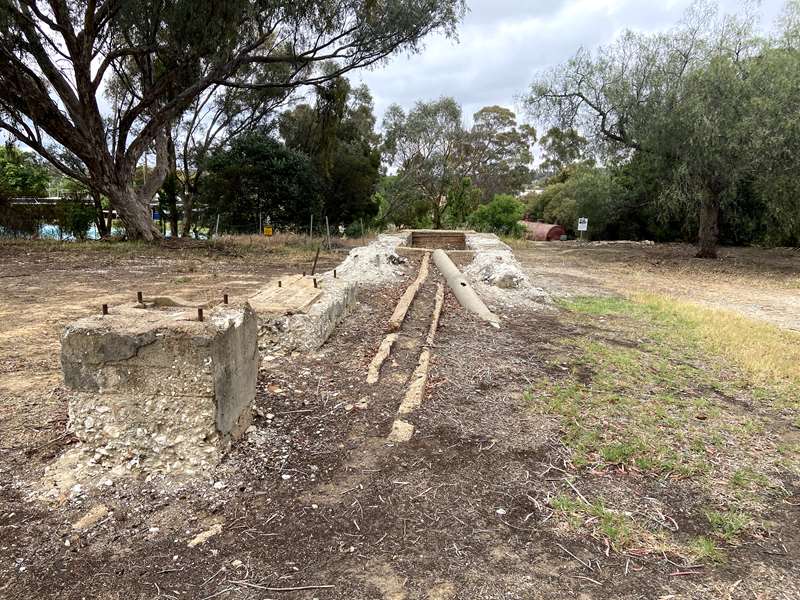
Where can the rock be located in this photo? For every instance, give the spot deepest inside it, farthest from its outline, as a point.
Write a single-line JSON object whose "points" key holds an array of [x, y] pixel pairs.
{"points": [[91, 518], [203, 537]]}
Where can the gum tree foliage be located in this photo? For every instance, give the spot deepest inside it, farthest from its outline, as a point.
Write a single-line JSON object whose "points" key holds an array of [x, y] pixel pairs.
{"points": [[56, 56], [258, 177], [427, 145], [215, 117], [435, 153], [499, 152], [706, 100], [338, 133], [561, 148]]}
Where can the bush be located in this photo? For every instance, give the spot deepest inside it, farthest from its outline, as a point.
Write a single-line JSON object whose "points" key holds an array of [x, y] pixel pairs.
{"points": [[582, 191], [501, 216], [75, 217]]}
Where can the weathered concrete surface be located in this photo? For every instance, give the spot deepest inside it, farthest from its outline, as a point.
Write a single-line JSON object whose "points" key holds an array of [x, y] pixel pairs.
{"points": [[307, 331], [497, 275], [376, 263], [461, 289], [158, 390]]}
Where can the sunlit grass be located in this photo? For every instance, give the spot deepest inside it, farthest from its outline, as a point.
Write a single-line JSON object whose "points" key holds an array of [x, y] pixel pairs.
{"points": [[652, 388], [766, 352]]}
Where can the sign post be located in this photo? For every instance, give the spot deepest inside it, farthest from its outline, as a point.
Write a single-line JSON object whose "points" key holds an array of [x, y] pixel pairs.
{"points": [[268, 228], [583, 225]]}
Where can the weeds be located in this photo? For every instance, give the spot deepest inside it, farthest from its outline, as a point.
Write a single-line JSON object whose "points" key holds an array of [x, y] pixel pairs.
{"points": [[728, 525], [652, 393], [704, 549]]}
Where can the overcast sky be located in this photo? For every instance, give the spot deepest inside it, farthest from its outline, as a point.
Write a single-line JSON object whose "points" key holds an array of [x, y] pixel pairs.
{"points": [[503, 43]]}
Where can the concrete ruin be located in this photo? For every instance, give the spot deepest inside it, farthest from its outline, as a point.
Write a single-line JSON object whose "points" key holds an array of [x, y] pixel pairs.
{"points": [[299, 316], [157, 389], [154, 388], [492, 268]]}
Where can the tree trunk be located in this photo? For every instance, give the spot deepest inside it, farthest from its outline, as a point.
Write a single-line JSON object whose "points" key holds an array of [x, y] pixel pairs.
{"points": [[708, 235], [110, 220], [135, 213], [102, 229], [437, 215], [188, 201], [134, 207], [172, 195]]}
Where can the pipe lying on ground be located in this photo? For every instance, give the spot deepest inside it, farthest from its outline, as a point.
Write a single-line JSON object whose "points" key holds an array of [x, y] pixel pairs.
{"points": [[462, 290]]}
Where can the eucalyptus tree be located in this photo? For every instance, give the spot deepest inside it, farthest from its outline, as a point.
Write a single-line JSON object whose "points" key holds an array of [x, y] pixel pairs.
{"points": [[217, 116], [682, 95], [56, 57], [338, 133], [561, 148], [499, 152], [428, 146]]}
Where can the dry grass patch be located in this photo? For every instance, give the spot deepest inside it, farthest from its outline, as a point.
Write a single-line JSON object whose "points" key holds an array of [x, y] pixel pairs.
{"points": [[767, 353], [649, 395]]}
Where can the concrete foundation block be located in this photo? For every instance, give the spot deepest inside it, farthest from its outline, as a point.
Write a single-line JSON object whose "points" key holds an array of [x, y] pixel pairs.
{"points": [[159, 389], [308, 331]]}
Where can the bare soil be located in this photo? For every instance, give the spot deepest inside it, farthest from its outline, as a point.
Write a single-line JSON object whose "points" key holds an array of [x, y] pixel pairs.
{"points": [[759, 283], [315, 503]]}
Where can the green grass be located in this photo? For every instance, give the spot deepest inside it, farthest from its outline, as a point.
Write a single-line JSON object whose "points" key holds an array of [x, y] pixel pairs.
{"points": [[704, 549], [728, 525], [648, 391], [618, 529]]}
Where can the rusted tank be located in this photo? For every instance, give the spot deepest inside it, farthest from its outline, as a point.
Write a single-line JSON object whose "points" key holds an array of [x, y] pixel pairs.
{"points": [[543, 232]]}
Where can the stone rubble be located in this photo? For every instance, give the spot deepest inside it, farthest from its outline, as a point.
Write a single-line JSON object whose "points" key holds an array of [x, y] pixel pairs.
{"points": [[497, 276], [376, 263]]}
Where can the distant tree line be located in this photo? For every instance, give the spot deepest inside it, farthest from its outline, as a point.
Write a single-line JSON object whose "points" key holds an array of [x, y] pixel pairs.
{"points": [[688, 134], [692, 134], [194, 68]]}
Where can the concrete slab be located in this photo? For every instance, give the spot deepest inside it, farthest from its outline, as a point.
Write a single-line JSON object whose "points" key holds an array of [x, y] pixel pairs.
{"points": [[306, 330]]}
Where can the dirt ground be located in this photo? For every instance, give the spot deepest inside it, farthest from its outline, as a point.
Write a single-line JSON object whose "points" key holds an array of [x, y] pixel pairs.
{"points": [[759, 283], [315, 503]]}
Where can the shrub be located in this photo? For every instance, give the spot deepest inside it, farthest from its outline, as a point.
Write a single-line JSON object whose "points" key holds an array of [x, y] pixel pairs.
{"points": [[75, 218], [502, 216]]}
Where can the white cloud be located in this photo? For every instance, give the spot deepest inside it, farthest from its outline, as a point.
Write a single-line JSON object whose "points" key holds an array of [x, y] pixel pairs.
{"points": [[503, 43]]}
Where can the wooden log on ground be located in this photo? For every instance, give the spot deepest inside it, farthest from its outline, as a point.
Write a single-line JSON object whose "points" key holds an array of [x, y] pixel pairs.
{"points": [[407, 298], [416, 389], [381, 355]]}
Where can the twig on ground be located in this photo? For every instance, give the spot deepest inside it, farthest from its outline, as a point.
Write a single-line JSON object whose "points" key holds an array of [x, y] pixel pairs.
{"points": [[588, 565], [586, 578]]}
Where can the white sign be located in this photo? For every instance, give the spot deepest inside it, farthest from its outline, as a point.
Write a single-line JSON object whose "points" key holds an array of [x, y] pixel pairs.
{"points": [[583, 224]]}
